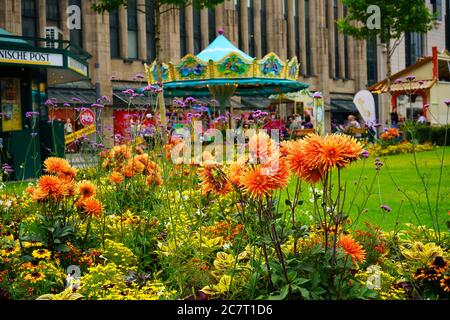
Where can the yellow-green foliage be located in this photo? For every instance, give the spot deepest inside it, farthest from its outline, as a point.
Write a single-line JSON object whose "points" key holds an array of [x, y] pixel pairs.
{"points": [[421, 253], [405, 147], [232, 272], [107, 282], [382, 283], [67, 294], [117, 253]]}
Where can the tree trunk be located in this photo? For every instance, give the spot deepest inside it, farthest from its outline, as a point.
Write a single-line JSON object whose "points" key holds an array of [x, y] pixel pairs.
{"points": [[162, 107]]}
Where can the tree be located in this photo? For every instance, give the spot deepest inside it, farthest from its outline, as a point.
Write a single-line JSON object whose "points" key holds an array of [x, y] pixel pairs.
{"points": [[159, 7], [387, 19]]}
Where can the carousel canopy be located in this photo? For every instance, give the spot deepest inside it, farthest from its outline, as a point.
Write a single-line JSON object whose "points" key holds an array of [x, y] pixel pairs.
{"points": [[223, 70]]}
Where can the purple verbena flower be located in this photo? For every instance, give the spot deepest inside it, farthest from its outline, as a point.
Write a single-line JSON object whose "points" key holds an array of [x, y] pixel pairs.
{"points": [[365, 154], [128, 91], [317, 95], [6, 168], [385, 208]]}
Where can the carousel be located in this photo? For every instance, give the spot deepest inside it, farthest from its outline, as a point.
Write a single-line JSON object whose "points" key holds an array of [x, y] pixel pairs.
{"points": [[221, 71]]}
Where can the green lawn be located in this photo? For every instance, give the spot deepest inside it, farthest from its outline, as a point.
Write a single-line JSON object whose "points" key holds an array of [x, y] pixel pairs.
{"points": [[398, 180], [15, 187]]}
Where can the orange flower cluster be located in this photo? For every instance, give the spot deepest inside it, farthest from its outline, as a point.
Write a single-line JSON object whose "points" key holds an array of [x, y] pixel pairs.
{"points": [[123, 165], [390, 134], [225, 229], [59, 183], [270, 171], [214, 180], [311, 157], [87, 202], [169, 147]]}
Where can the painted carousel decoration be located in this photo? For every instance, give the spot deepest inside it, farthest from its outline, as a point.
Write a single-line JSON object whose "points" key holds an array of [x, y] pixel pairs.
{"points": [[222, 70]]}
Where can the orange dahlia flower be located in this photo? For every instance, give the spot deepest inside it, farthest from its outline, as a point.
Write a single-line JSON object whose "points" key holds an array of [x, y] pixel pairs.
{"points": [[85, 189], [214, 180], [235, 172], [115, 177], [51, 186], [55, 165], [92, 207], [352, 248]]}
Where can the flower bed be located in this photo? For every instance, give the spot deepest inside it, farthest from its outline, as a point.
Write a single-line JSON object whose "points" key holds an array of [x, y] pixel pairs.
{"points": [[142, 227]]}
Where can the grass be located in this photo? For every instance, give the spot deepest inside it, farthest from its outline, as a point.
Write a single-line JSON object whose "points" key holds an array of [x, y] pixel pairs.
{"points": [[15, 187], [399, 186]]}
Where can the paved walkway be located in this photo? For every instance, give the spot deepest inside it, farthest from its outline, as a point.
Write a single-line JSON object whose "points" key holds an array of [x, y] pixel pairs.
{"points": [[81, 160]]}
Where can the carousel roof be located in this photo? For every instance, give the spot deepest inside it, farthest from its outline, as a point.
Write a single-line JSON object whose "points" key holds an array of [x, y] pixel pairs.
{"points": [[222, 64], [219, 48]]}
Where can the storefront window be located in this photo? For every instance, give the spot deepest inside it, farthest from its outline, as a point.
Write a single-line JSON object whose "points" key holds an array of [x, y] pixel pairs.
{"points": [[10, 103]]}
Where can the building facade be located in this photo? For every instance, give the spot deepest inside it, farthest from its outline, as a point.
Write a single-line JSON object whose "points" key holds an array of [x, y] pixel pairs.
{"points": [[121, 42], [412, 48]]}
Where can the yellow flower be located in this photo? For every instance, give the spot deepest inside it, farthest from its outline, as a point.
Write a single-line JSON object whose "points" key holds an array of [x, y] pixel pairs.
{"points": [[41, 254], [8, 252], [34, 277], [29, 244]]}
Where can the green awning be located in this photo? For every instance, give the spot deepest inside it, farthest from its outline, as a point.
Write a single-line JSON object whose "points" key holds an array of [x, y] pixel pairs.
{"points": [[62, 63]]}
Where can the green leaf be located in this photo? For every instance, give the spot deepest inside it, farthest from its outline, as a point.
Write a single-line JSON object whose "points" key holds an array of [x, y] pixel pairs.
{"points": [[288, 202], [301, 281], [282, 295], [304, 292]]}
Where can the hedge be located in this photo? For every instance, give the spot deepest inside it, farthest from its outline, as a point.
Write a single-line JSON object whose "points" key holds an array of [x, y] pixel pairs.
{"points": [[435, 135]]}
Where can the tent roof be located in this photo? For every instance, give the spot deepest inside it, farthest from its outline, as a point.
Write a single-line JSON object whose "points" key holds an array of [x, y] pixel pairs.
{"points": [[220, 48]]}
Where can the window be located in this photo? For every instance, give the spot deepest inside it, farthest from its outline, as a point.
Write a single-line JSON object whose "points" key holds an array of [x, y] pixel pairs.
{"points": [[76, 35], [53, 12], [447, 24], [308, 66], [337, 62], [212, 24], [251, 26], [114, 33], [372, 61], [263, 28], [413, 46], [150, 29], [183, 45], [346, 53], [288, 30], [237, 4], [437, 8], [132, 29], [197, 30], [297, 29], [30, 19]]}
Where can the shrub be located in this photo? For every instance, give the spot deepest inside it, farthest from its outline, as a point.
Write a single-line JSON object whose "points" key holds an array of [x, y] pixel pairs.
{"points": [[433, 134]]}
